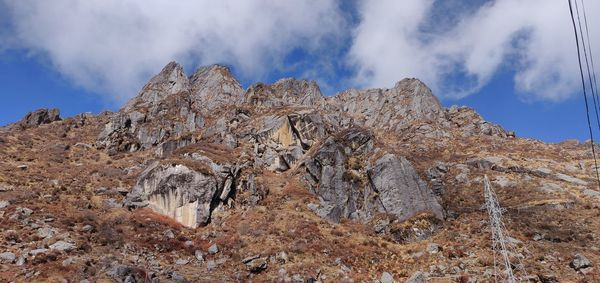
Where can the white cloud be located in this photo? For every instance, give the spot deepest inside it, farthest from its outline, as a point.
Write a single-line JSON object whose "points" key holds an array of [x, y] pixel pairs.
{"points": [[533, 38], [114, 46]]}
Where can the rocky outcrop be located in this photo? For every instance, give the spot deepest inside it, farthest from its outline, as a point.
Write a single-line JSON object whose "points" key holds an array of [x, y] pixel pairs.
{"points": [[39, 117], [401, 191], [285, 92], [169, 109], [283, 139], [469, 123], [351, 183], [299, 92], [392, 109], [170, 80], [284, 126], [214, 86], [185, 190]]}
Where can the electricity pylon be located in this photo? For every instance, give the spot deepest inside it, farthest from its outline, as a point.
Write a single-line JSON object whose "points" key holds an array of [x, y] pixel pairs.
{"points": [[500, 243]]}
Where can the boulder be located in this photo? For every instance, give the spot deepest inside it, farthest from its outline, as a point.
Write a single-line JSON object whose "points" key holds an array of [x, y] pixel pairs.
{"points": [[184, 192], [386, 277], [401, 190], [213, 249], [580, 262], [62, 246], [255, 264], [7, 257], [417, 277]]}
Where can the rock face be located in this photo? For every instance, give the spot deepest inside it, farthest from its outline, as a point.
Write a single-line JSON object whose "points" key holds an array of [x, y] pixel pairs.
{"points": [[39, 117], [351, 186], [401, 191], [287, 127], [185, 190], [177, 191]]}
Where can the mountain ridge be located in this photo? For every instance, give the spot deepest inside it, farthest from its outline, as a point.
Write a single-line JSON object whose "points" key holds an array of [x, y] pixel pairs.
{"points": [[197, 179]]}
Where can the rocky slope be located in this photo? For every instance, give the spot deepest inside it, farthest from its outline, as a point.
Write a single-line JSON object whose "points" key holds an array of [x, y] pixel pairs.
{"points": [[199, 180]]}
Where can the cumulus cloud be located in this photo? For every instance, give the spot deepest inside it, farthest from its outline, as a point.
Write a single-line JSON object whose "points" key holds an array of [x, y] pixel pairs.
{"points": [[532, 38], [455, 46], [113, 46]]}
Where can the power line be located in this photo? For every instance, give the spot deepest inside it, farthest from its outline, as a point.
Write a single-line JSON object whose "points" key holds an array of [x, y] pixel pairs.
{"points": [[589, 43], [587, 47], [587, 109]]}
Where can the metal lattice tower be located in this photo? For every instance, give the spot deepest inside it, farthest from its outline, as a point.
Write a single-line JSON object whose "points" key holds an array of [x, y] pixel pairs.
{"points": [[500, 240]]}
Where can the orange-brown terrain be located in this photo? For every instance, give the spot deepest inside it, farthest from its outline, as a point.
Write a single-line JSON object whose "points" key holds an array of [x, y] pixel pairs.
{"points": [[199, 180]]}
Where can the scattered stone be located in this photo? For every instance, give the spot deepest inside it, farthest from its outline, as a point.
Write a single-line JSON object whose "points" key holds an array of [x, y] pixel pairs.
{"points": [[62, 246], [5, 187], [21, 261], [538, 237], [417, 277], [386, 277], [4, 203], [7, 257], [46, 232], [380, 225], [124, 273], [213, 249], [182, 261], [199, 255], [67, 261], [548, 278], [121, 190], [24, 211], [297, 278], [580, 262], [255, 264], [169, 234], [211, 264], [282, 256], [178, 278], [38, 251], [112, 203], [21, 213], [23, 167], [433, 248], [87, 228]]}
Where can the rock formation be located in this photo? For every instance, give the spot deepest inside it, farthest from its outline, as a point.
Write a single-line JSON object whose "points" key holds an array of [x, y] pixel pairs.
{"points": [[39, 117], [286, 125], [199, 180]]}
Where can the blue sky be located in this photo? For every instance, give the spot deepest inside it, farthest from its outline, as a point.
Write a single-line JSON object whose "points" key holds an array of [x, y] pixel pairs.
{"points": [[513, 61]]}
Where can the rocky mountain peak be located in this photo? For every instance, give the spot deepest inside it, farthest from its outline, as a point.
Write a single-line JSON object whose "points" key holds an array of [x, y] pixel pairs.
{"points": [[171, 79], [301, 92], [215, 86]]}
